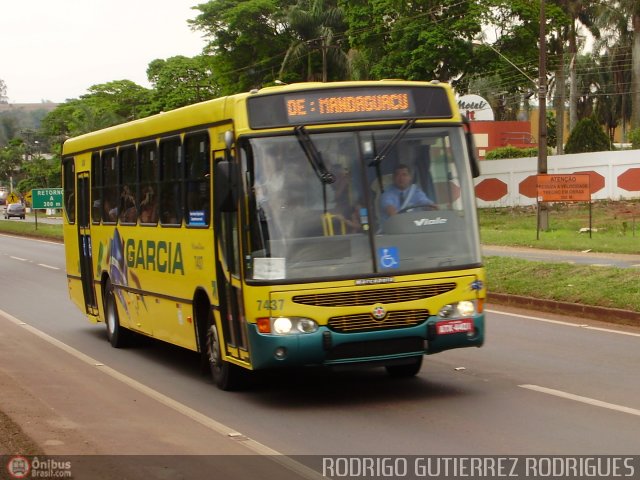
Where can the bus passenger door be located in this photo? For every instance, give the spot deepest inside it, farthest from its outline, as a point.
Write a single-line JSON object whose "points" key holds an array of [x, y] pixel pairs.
{"points": [[229, 280], [84, 243]]}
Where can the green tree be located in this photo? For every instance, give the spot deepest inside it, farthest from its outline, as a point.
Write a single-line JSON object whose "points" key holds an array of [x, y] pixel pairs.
{"points": [[588, 136], [123, 98], [617, 44], [578, 12], [588, 85], [420, 40], [11, 158], [9, 127], [105, 105], [513, 59], [247, 40], [180, 81], [552, 139], [40, 172], [566, 40], [634, 138], [316, 27], [609, 106], [78, 116], [618, 16]]}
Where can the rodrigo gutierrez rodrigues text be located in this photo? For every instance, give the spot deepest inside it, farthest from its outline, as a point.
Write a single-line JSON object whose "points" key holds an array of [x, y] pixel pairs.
{"points": [[564, 467]]}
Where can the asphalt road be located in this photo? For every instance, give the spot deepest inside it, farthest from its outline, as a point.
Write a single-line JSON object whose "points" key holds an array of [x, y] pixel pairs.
{"points": [[31, 218], [542, 384]]}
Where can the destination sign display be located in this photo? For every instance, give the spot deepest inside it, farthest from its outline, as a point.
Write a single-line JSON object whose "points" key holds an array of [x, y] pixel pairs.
{"points": [[347, 105], [320, 105]]}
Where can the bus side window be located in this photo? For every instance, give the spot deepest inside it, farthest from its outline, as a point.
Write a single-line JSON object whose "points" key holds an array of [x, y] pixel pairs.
{"points": [[149, 171], [196, 152], [110, 192], [96, 187], [69, 177], [127, 201], [171, 174]]}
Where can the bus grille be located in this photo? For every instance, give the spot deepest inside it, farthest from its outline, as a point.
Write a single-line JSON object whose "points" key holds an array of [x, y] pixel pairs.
{"points": [[371, 297], [364, 322]]}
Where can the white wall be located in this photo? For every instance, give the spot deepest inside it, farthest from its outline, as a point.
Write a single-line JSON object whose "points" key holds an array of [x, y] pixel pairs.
{"points": [[513, 171]]}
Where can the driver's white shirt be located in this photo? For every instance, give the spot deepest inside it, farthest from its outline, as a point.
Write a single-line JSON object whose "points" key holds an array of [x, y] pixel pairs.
{"points": [[392, 196]]}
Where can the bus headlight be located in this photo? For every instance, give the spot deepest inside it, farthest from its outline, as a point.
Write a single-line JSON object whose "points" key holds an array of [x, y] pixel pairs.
{"points": [[465, 308], [282, 325], [306, 325], [447, 311], [291, 325]]}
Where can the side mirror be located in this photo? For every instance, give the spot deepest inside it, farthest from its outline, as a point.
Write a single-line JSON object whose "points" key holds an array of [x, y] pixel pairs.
{"points": [[228, 143], [471, 148], [226, 186]]}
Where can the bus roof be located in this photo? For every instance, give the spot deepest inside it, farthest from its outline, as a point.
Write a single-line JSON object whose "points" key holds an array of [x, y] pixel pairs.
{"points": [[215, 111]]}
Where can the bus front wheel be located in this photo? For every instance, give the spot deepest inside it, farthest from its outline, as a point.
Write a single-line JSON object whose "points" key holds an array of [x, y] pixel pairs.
{"points": [[405, 370], [225, 375]]}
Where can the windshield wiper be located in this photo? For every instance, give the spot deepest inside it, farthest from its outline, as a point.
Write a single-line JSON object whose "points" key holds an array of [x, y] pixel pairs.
{"points": [[385, 150], [392, 143], [314, 156], [316, 161]]}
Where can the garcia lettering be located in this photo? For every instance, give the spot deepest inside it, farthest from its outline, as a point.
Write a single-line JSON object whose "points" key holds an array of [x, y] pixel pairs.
{"points": [[160, 256]]}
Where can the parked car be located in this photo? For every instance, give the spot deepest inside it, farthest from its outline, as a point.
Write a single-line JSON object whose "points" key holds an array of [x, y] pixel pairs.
{"points": [[15, 210]]}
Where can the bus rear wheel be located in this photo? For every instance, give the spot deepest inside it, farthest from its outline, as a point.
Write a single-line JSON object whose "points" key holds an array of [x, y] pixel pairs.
{"points": [[225, 375], [405, 370], [116, 334]]}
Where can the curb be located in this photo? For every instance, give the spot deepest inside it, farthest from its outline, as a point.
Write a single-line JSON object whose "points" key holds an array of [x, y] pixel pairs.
{"points": [[614, 315]]}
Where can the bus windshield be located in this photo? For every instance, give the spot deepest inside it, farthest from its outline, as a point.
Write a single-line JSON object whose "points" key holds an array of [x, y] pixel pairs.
{"points": [[410, 209]]}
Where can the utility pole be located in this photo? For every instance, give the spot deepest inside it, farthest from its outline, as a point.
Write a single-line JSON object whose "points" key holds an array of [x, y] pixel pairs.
{"points": [[543, 212]]}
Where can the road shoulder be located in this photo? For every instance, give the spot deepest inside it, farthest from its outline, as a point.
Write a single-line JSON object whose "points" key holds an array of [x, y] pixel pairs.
{"points": [[69, 407]]}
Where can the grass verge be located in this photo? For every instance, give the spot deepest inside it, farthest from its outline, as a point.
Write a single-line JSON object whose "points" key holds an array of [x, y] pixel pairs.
{"points": [[615, 227], [28, 229], [609, 287]]}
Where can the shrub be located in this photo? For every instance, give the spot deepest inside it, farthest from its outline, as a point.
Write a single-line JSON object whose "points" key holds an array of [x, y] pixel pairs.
{"points": [[587, 136], [511, 152], [634, 137]]}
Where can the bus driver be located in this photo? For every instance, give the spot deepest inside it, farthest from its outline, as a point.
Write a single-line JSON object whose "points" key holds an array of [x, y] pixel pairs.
{"points": [[403, 194]]}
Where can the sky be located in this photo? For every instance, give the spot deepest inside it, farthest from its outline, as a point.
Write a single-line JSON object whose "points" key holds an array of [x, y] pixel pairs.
{"points": [[54, 50]]}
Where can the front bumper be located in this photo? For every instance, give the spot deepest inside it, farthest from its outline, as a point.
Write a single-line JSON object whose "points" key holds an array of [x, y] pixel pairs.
{"points": [[326, 347]]}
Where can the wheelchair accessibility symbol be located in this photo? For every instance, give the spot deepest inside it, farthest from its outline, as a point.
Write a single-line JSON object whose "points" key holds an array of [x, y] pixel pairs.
{"points": [[388, 258]]}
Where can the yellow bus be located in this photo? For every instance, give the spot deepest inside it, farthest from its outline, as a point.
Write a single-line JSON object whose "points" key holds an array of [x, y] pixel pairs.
{"points": [[268, 229]]}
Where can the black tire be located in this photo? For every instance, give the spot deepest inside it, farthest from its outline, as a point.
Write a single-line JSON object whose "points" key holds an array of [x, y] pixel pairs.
{"points": [[224, 374], [405, 370], [116, 334]]}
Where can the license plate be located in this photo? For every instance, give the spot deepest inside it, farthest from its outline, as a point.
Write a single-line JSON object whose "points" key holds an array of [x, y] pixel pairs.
{"points": [[454, 326]]}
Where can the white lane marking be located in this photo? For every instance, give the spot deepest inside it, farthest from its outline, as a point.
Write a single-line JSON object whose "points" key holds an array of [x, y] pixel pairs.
{"points": [[567, 324], [578, 398], [47, 266], [20, 237], [210, 423], [31, 261]]}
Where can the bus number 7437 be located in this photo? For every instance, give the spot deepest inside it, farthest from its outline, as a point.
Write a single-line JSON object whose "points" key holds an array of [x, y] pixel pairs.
{"points": [[270, 304]]}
